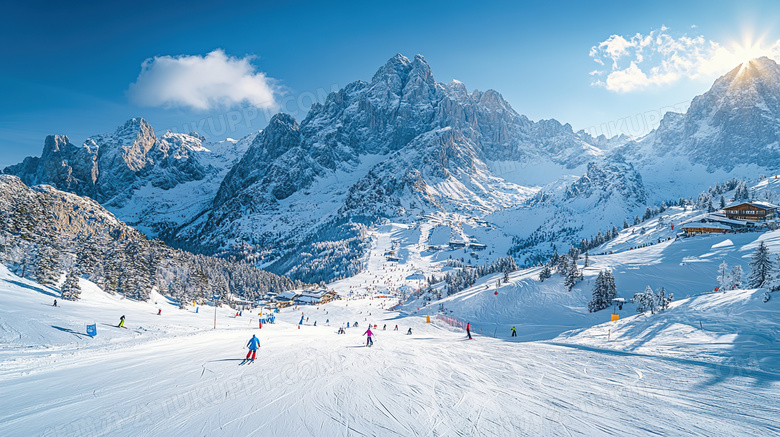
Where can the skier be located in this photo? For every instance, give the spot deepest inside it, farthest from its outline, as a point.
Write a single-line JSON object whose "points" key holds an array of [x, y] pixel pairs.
{"points": [[253, 344], [355, 324], [315, 323], [327, 322], [409, 332], [347, 324], [369, 341], [468, 330], [514, 332], [159, 312], [384, 327], [396, 328], [121, 322], [55, 302], [301, 322]]}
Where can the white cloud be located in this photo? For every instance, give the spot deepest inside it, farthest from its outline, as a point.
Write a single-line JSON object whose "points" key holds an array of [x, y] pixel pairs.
{"points": [[660, 58], [202, 82]]}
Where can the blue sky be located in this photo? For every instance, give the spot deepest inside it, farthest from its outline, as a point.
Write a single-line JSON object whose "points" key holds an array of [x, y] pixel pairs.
{"points": [[69, 68]]}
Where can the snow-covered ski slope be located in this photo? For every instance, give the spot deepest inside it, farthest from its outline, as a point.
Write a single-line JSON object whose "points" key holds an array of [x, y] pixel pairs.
{"points": [[707, 366]]}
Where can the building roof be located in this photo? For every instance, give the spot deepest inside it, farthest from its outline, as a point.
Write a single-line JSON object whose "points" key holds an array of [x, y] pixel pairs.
{"points": [[716, 217], [757, 204], [706, 225]]}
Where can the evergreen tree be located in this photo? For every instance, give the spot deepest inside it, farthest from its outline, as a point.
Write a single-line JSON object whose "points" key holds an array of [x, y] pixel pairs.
{"points": [[736, 278], [646, 301], [545, 273], [664, 300], [47, 268], [661, 222], [587, 260], [572, 275], [563, 265], [70, 288], [554, 257], [723, 276], [722, 202], [760, 267], [604, 291]]}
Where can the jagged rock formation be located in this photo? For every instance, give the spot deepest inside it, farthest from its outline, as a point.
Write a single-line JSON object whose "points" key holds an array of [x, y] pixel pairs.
{"points": [[736, 122]]}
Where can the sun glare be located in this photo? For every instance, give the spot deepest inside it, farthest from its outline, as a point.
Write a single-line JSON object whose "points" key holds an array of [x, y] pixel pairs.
{"points": [[747, 50]]}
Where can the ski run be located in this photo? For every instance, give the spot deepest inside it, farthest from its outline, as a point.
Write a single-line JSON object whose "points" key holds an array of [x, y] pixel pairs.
{"points": [[707, 366]]}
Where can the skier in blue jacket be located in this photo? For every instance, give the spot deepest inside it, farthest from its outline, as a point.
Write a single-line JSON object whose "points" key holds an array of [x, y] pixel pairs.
{"points": [[253, 345]]}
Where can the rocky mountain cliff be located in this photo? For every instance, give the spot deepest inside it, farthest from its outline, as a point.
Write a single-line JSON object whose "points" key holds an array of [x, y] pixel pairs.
{"points": [[110, 167], [735, 123], [396, 146]]}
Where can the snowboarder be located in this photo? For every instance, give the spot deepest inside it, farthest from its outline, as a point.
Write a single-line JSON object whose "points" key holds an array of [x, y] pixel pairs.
{"points": [[368, 333], [514, 332], [253, 345], [55, 302], [468, 330], [409, 332], [121, 322]]}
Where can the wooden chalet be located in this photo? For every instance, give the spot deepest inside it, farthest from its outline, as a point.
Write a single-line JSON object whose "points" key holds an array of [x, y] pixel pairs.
{"points": [[695, 228], [753, 211]]}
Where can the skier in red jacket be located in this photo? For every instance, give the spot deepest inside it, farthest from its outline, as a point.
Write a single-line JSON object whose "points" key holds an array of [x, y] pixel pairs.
{"points": [[468, 330]]}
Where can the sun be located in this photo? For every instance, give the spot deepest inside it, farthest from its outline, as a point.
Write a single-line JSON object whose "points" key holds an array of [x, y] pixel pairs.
{"points": [[748, 49]]}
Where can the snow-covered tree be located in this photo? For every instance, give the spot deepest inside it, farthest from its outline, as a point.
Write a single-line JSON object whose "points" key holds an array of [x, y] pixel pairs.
{"points": [[545, 274], [664, 300], [649, 300], [563, 265], [723, 276], [760, 267], [71, 289], [604, 291], [736, 278], [646, 301], [586, 261], [572, 275], [47, 270]]}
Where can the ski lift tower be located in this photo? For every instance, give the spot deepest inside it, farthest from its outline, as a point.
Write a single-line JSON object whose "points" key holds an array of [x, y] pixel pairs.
{"points": [[618, 305], [215, 298]]}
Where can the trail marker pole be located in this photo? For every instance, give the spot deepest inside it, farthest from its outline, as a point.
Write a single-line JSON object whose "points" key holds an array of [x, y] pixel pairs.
{"points": [[215, 297]]}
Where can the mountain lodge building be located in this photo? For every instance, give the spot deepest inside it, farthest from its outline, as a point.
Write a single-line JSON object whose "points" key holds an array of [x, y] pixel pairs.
{"points": [[753, 211]]}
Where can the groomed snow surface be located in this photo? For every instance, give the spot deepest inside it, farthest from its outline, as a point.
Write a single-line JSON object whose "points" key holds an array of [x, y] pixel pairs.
{"points": [[707, 366]]}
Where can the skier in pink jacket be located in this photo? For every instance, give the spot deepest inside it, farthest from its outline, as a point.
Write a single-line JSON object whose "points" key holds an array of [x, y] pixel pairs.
{"points": [[369, 334]]}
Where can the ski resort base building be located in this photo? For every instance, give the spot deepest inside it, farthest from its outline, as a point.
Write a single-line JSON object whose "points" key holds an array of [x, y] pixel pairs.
{"points": [[737, 217]]}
